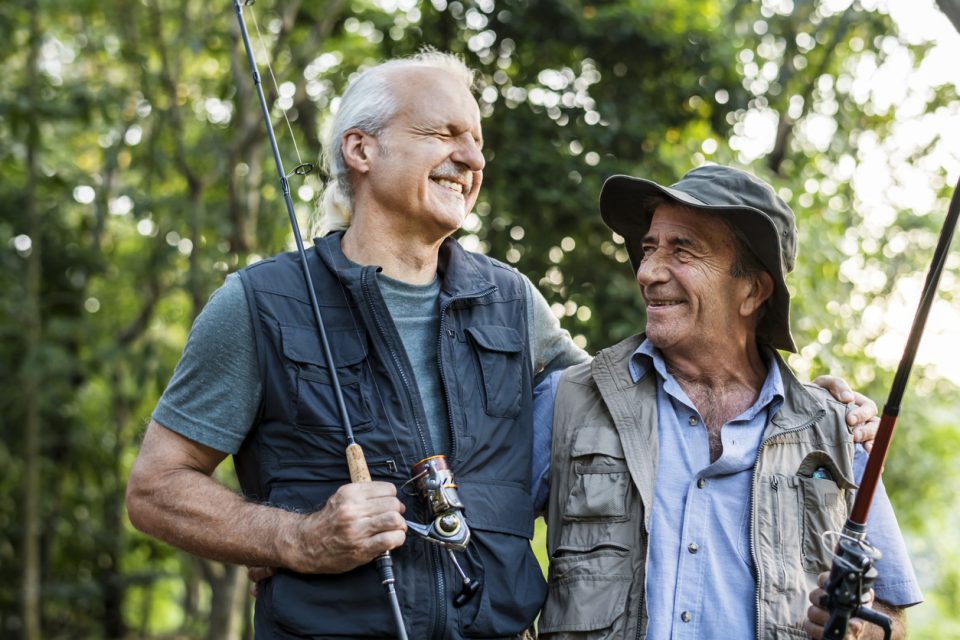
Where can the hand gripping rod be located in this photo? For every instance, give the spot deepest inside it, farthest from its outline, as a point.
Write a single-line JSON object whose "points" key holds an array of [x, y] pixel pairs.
{"points": [[852, 572], [354, 454]]}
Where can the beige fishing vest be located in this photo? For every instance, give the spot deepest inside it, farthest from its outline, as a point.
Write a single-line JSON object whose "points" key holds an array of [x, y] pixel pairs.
{"points": [[604, 462]]}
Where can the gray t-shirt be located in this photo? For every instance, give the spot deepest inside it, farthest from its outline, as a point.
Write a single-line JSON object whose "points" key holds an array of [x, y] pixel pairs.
{"points": [[415, 310], [214, 394]]}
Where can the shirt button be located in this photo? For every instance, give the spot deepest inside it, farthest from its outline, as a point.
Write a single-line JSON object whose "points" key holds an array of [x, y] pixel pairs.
{"points": [[700, 483], [686, 616], [693, 547], [693, 421]]}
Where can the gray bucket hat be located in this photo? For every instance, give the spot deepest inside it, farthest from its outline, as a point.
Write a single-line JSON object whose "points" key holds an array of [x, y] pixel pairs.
{"points": [[764, 219]]}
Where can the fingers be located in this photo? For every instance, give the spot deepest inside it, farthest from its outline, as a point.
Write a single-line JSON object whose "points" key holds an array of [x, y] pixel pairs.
{"points": [[837, 387], [863, 412], [818, 615], [359, 522], [865, 433], [256, 574]]}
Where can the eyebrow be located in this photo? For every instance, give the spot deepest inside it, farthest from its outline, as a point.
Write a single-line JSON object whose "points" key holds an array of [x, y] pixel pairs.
{"points": [[681, 241]]}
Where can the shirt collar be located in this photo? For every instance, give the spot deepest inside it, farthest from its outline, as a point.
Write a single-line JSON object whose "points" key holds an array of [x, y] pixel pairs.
{"points": [[647, 357]]}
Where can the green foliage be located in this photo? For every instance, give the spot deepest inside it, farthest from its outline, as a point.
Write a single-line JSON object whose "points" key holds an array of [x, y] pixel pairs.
{"points": [[134, 144]]}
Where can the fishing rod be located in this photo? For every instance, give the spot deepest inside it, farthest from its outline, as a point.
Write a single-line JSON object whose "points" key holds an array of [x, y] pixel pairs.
{"points": [[853, 571], [354, 454]]}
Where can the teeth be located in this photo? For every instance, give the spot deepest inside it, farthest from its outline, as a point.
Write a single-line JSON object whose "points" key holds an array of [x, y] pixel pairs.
{"points": [[664, 303], [453, 186]]}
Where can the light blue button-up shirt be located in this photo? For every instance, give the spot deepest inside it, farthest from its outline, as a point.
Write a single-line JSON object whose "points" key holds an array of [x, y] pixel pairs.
{"points": [[699, 567], [700, 580]]}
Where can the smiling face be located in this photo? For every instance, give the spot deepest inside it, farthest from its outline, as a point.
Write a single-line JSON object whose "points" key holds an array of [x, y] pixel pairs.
{"points": [[424, 170], [695, 306]]}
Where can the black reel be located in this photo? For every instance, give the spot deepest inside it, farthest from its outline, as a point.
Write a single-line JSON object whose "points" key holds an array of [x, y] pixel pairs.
{"points": [[851, 577], [448, 529]]}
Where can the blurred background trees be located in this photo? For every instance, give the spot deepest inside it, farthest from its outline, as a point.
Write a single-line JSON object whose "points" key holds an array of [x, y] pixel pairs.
{"points": [[135, 175]]}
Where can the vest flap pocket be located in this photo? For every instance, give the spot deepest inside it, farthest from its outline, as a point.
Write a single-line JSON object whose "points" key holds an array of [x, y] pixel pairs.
{"points": [[819, 465], [499, 339], [497, 506], [584, 603], [600, 481], [499, 354], [597, 441], [302, 344]]}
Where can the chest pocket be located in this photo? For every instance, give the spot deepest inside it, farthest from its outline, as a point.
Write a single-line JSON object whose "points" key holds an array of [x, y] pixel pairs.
{"points": [[499, 358], [316, 405], [823, 507], [600, 481]]}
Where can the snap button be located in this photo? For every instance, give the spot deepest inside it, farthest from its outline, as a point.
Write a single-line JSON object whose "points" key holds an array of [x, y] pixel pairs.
{"points": [[686, 616], [693, 547], [693, 421]]}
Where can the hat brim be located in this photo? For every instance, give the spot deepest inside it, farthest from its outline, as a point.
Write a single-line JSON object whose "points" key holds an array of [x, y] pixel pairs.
{"points": [[627, 205]]}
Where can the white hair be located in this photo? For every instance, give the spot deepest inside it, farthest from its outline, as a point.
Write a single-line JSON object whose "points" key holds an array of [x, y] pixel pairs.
{"points": [[368, 104]]}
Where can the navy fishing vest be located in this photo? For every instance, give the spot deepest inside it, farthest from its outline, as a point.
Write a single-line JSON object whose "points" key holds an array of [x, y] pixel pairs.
{"points": [[294, 456]]}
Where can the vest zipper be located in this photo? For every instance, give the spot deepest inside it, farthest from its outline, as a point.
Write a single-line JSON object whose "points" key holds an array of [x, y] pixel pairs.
{"points": [[437, 556], [365, 285], [440, 621], [753, 509], [443, 383], [643, 600]]}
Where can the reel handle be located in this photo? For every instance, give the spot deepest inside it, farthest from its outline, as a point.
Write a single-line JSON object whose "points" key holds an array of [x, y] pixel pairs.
{"points": [[851, 577]]}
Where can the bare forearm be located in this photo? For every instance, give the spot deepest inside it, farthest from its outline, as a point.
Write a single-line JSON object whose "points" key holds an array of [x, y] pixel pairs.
{"points": [[214, 522], [170, 495]]}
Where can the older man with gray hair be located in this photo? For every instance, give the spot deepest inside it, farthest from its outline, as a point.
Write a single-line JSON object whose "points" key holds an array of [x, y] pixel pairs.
{"points": [[438, 350], [694, 479]]}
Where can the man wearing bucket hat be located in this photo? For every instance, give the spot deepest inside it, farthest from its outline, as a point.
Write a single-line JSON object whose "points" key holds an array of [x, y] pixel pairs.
{"points": [[694, 479]]}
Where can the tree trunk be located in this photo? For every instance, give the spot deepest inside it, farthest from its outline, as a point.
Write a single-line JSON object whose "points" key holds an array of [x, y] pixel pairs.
{"points": [[31, 371], [228, 604], [111, 581]]}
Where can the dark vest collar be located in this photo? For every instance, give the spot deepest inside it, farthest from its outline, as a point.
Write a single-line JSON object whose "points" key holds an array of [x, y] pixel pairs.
{"points": [[459, 274]]}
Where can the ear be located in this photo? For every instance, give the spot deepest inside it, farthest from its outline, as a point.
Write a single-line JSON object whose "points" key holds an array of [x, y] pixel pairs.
{"points": [[358, 148], [761, 288]]}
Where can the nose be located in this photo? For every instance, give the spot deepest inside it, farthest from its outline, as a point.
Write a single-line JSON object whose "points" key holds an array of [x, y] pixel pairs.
{"points": [[651, 270], [469, 154]]}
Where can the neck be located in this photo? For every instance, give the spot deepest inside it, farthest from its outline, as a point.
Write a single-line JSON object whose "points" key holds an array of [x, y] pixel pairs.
{"points": [[721, 388], [748, 370], [404, 256]]}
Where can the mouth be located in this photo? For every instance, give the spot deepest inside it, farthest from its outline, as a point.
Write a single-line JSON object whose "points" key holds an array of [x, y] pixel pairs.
{"points": [[452, 185], [662, 303]]}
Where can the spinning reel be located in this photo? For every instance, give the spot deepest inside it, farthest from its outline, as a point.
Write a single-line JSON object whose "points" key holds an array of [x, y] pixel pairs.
{"points": [[449, 529], [851, 576]]}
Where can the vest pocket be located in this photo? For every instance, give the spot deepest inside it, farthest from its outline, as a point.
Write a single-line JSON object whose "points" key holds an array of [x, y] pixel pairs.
{"points": [[347, 604], [587, 593], [499, 357], [316, 406], [512, 586], [824, 508], [600, 483]]}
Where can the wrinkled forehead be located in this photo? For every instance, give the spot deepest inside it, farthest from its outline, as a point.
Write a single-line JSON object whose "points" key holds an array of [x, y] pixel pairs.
{"points": [[694, 224], [433, 92]]}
